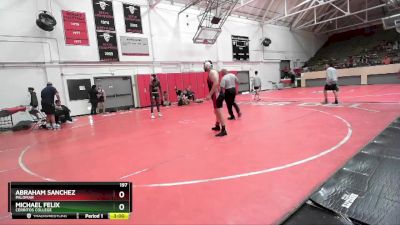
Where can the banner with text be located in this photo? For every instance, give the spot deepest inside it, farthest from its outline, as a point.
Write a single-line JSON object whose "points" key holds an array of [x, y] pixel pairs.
{"points": [[108, 48], [103, 15], [105, 29], [134, 46], [75, 28], [133, 18]]}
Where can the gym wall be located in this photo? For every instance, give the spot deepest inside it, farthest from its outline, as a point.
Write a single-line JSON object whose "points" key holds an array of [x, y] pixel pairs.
{"points": [[31, 56]]}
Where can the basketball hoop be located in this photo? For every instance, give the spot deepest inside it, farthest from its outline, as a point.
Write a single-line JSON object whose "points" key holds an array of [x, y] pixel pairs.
{"points": [[206, 35]]}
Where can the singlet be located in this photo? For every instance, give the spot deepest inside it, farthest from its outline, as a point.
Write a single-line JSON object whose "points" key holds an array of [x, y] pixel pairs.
{"points": [[154, 86], [209, 83]]}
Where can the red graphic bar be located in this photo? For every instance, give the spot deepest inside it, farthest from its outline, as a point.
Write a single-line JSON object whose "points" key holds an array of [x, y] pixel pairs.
{"points": [[72, 41], [76, 34], [71, 25], [74, 16], [77, 195]]}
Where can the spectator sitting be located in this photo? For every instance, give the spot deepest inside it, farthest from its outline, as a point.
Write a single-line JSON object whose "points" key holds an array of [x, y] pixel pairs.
{"points": [[190, 93], [389, 46], [396, 45], [165, 99], [386, 60], [185, 98], [62, 113], [351, 61], [178, 92], [182, 99], [285, 72]]}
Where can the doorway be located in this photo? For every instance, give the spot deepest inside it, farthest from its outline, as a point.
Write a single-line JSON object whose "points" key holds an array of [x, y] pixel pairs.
{"points": [[119, 94], [284, 67], [244, 81]]}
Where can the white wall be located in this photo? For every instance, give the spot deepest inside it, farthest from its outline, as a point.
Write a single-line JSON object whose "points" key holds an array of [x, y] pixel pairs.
{"points": [[47, 58], [288, 45]]}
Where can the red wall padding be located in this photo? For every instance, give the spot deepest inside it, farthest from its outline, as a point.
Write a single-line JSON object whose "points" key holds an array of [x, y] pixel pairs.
{"points": [[170, 81], [143, 82]]}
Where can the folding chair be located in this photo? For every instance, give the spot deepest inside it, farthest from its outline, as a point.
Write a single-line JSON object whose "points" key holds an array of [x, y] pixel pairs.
{"points": [[38, 117]]}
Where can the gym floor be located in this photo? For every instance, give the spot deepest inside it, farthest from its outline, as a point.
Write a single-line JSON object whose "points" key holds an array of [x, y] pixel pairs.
{"points": [[282, 149]]}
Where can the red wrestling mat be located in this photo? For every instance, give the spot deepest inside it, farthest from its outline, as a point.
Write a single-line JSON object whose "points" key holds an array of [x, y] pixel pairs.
{"points": [[282, 149]]}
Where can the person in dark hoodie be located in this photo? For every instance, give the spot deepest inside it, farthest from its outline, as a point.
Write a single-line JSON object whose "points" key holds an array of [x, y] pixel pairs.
{"points": [[62, 113], [93, 99]]}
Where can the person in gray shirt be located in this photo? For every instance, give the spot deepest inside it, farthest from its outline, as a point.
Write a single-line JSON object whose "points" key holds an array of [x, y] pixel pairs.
{"points": [[331, 83], [228, 84], [256, 86]]}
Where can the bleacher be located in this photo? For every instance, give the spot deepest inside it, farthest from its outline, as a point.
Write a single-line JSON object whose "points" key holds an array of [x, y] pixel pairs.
{"points": [[357, 48]]}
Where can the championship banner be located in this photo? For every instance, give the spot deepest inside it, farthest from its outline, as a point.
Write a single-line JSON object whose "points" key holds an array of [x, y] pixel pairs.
{"points": [[134, 46], [103, 15], [133, 18], [108, 48], [240, 47], [75, 28], [105, 29]]}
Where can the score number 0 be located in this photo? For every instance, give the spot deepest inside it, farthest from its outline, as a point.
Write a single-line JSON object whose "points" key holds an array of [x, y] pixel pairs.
{"points": [[121, 194]]}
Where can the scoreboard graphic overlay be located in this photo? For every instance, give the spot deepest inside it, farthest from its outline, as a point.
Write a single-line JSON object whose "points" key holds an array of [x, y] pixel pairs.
{"points": [[70, 200]]}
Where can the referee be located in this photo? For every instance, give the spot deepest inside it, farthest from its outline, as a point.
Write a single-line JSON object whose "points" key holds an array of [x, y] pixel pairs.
{"points": [[228, 83]]}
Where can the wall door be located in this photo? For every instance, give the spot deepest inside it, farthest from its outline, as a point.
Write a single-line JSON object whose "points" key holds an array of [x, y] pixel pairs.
{"points": [[118, 92], [244, 81], [285, 64]]}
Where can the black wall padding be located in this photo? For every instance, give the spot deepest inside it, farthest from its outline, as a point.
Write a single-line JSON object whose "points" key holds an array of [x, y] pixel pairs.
{"points": [[343, 81], [390, 78]]}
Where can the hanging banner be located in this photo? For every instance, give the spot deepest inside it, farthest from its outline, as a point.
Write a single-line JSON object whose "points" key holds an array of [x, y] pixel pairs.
{"points": [[105, 29], [103, 15], [75, 28], [134, 46], [108, 48], [240, 47], [133, 18]]}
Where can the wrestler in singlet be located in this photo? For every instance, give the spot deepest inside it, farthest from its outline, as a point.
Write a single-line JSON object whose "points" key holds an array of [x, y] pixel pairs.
{"points": [[155, 89], [217, 101], [213, 96]]}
